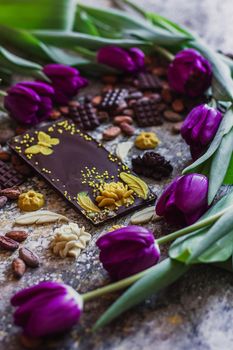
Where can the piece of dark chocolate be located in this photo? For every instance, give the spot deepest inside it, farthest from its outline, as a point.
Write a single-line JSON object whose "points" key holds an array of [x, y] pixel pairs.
{"points": [[85, 116], [9, 177], [152, 164], [147, 112], [113, 100], [93, 180], [148, 81]]}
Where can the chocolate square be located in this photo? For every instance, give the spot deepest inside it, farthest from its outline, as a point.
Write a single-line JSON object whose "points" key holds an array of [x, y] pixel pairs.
{"points": [[147, 113], [9, 177], [82, 171]]}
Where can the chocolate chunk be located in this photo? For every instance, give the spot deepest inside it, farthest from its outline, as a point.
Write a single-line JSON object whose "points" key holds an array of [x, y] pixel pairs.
{"points": [[147, 113], [9, 177], [113, 99], [78, 167], [147, 81], [152, 165], [85, 116]]}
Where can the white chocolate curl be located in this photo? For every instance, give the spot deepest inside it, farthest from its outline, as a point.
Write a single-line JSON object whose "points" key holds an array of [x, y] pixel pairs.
{"points": [[69, 240]]}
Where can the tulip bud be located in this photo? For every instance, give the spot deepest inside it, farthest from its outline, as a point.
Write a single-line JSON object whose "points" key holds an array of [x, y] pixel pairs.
{"points": [[47, 308], [189, 73], [127, 250], [184, 200], [131, 60], [200, 127], [29, 102], [66, 81]]}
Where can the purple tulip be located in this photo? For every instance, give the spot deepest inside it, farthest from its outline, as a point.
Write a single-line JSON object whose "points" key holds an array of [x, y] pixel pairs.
{"points": [[184, 200], [200, 127], [66, 81], [131, 60], [127, 250], [29, 102], [190, 73], [47, 308]]}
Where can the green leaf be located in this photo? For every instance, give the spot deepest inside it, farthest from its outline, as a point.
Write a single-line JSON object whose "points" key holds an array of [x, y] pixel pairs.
{"points": [[224, 128], [182, 248], [70, 39], [132, 26], [165, 23], [228, 180], [84, 23], [164, 274], [222, 83], [19, 65], [219, 165], [219, 251], [29, 14], [220, 229]]}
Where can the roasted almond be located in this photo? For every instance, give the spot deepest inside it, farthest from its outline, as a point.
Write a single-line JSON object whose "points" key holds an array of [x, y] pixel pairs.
{"points": [[18, 236], [10, 193], [122, 119], [8, 243], [18, 267], [30, 258]]}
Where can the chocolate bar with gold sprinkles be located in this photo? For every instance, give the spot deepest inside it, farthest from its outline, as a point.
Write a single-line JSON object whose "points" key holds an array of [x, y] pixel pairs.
{"points": [[92, 180]]}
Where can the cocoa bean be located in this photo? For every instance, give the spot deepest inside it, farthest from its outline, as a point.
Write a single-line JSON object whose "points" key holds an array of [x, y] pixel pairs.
{"points": [[10, 193], [31, 259], [111, 133], [127, 129], [178, 105], [171, 116], [122, 119], [96, 100], [18, 267], [8, 243], [18, 236], [4, 156]]}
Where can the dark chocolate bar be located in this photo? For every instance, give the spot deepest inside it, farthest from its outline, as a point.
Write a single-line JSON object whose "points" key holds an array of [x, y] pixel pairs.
{"points": [[147, 113], [93, 180], [148, 81], [85, 116], [9, 177], [113, 99]]}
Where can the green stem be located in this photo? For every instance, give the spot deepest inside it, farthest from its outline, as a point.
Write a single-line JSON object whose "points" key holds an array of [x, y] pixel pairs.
{"points": [[113, 287], [163, 52], [122, 284]]}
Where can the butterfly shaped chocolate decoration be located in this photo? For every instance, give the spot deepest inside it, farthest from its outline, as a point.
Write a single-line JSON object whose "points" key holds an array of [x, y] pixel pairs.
{"points": [[44, 145]]}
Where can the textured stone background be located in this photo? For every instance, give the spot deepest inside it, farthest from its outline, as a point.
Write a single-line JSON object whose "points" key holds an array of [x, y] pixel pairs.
{"points": [[194, 313]]}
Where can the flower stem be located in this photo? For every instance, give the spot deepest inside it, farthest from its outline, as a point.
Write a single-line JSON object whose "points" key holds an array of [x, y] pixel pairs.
{"points": [[163, 52], [113, 287], [122, 284], [202, 223]]}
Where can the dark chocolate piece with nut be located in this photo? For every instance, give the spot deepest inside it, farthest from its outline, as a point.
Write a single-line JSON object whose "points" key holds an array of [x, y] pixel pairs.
{"points": [[153, 165]]}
